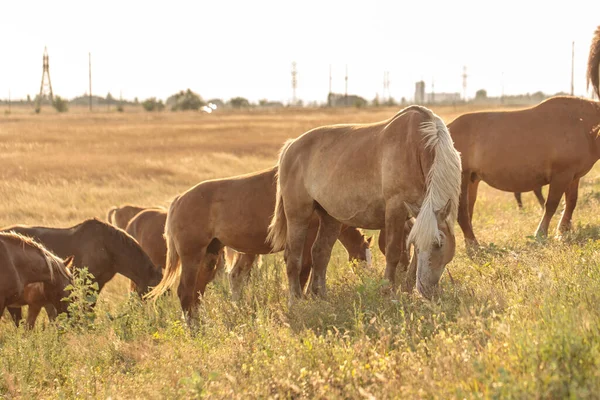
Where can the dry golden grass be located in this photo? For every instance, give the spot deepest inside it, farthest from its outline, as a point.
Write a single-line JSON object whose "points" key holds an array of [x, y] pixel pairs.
{"points": [[502, 330]]}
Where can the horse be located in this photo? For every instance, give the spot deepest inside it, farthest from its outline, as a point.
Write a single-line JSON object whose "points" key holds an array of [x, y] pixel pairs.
{"points": [[24, 262], [120, 216], [373, 176], [102, 248], [555, 142], [233, 212], [240, 264], [147, 227], [538, 195]]}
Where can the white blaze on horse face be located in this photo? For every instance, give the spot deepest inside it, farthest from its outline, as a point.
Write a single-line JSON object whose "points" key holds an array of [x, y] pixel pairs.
{"points": [[369, 257]]}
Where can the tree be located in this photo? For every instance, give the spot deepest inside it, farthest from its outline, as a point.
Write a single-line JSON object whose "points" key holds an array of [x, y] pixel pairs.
{"points": [[239, 102], [61, 105], [185, 100], [481, 94], [375, 101], [152, 104]]}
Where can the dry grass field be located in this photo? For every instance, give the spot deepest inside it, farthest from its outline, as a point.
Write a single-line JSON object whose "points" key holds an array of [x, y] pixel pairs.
{"points": [[519, 320]]}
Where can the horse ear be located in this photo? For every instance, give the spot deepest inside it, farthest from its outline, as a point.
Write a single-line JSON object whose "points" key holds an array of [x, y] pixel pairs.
{"points": [[369, 240], [443, 213], [69, 262], [413, 210]]}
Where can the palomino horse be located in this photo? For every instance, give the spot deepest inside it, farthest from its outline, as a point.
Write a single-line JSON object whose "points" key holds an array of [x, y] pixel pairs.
{"points": [[233, 212], [102, 248], [555, 143], [351, 238], [373, 176], [147, 227], [120, 216], [23, 261]]}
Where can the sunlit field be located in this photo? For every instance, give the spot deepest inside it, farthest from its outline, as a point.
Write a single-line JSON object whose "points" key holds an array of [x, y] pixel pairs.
{"points": [[521, 319]]}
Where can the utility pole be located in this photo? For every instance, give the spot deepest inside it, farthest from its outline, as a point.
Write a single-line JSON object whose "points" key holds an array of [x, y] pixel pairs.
{"points": [[464, 80], [294, 83], [46, 83], [432, 91], [90, 69], [573, 69], [346, 91]]}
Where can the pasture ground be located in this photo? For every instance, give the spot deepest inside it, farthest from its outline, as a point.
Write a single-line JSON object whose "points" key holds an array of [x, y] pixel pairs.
{"points": [[520, 320]]}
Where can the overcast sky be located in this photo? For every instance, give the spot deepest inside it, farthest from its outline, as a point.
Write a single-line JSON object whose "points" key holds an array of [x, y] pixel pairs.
{"points": [[245, 48]]}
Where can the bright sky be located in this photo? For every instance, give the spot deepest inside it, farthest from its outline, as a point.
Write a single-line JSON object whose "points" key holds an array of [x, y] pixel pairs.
{"points": [[245, 48]]}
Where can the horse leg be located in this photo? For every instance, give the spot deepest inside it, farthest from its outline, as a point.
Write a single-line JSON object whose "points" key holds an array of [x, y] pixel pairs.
{"points": [[519, 201], [540, 196], [16, 314], [51, 312], [464, 220], [329, 231], [381, 241], [296, 237], [239, 274], [473, 187], [307, 260], [570, 203], [208, 267], [557, 187], [396, 215], [188, 297], [32, 313]]}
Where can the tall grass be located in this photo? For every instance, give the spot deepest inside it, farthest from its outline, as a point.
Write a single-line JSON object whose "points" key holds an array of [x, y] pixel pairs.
{"points": [[518, 320]]}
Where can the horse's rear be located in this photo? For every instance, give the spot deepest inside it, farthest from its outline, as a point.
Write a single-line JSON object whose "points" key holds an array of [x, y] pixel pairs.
{"points": [[369, 176], [120, 216]]}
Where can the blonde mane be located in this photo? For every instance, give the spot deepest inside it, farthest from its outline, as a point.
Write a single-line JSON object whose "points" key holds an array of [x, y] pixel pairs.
{"points": [[443, 183], [55, 264]]}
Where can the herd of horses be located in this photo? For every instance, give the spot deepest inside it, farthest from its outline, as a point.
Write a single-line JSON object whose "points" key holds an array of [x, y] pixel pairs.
{"points": [[410, 177]]}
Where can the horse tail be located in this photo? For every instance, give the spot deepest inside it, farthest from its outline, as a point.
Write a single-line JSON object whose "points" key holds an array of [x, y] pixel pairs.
{"points": [[172, 269], [593, 67], [110, 216], [277, 235]]}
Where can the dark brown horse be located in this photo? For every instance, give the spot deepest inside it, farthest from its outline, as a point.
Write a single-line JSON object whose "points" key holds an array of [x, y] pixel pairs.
{"points": [[102, 248], [24, 262]]}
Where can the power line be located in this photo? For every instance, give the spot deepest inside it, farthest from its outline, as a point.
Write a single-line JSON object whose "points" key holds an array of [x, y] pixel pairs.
{"points": [[294, 82], [46, 83]]}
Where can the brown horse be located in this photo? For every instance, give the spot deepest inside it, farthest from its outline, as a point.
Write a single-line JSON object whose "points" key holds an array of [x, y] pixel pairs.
{"points": [[538, 195], [555, 143], [372, 176], [233, 212], [102, 248], [147, 227], [120, 216], [24, 262], [352, 239]]}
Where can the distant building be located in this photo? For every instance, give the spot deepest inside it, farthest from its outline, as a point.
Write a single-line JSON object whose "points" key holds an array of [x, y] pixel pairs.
{"points": [[443, 97], [420, 92], [341, 100]]}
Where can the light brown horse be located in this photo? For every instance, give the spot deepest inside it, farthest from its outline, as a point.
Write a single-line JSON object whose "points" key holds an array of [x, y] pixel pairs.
{"points": [[120, 216], [352, 239], [373, 176], [24, 262], [555, 143], [233, 212], [147, 227], [102, 248]]}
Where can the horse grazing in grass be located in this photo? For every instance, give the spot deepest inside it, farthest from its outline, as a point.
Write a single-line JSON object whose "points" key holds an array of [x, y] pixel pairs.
{"points": [[147, 227], [233, 212], [372, 176], [24, 262], [102, 248], [120, 216], [555, 143], [352, 239]]}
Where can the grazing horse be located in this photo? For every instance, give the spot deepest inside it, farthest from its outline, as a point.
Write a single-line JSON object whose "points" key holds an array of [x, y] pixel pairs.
{"points": [[372, 176], [147, 227], [120, 216], [538, 195], [102, 248], [555, 143], [351, 238], [23, 262], [233, 212]]}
